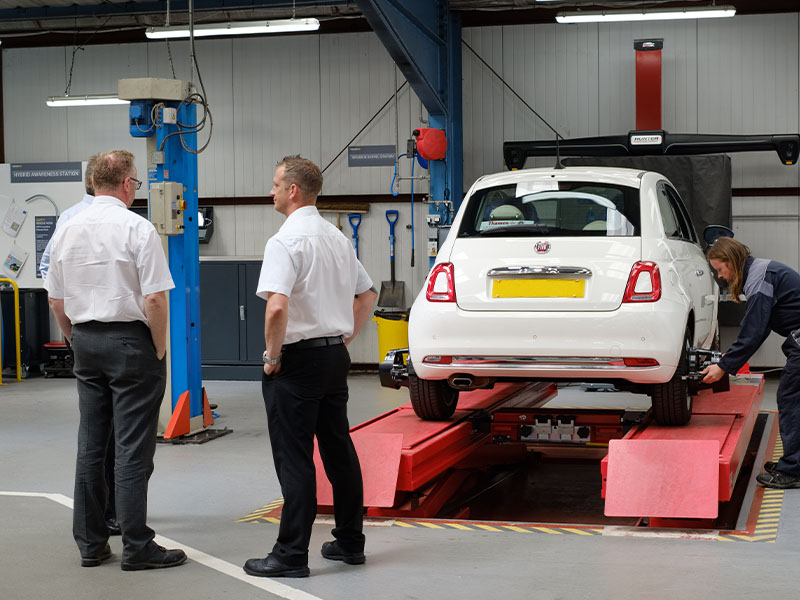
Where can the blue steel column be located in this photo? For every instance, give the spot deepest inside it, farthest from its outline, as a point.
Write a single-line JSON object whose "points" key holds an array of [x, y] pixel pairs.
{"points": [[184, 261], [424, 39], [449, 184]]}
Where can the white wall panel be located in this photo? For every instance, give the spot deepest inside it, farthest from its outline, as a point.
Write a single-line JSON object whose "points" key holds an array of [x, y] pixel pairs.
{"points": [[748, 83], [357, 77], [275, 107], [97, 70], [483, 103], [34, 132]]}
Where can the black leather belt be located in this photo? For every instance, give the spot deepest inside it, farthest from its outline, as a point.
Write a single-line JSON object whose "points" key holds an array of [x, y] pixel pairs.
{"points": [[314, 343]]}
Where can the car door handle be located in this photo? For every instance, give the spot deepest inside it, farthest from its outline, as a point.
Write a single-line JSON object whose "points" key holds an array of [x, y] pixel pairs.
{"points": [[699, 272], [242, 315]]}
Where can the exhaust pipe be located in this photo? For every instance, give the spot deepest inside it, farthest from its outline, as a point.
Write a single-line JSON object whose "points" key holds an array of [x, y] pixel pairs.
{"points": [[466, 382]]}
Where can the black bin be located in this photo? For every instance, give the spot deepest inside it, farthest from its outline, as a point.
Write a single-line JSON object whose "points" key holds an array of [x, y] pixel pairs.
{"points": [[34, 328]]}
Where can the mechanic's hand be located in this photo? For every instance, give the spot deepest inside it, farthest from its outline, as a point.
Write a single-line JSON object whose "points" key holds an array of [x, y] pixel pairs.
{"points": [[712, 373], [272, 370]]}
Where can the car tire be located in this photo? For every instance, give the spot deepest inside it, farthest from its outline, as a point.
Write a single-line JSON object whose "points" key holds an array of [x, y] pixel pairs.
{"points": [[432, 400], [672, 403]]}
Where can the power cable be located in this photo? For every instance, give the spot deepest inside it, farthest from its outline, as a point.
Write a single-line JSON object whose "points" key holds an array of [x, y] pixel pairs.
{"points": [[380, 110], [503, 81], [43, 197], [81, 47]]}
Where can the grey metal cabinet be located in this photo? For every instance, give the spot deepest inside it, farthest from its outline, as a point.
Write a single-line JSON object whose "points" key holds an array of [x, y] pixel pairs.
{"points": [[232, 320]]}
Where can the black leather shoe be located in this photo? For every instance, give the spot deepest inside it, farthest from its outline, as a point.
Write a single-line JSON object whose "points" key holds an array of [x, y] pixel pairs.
{"points": [[113, 527], [779, 480], [272, 567], [770, 467], [332, 551], [94, 561], [159, 558]]}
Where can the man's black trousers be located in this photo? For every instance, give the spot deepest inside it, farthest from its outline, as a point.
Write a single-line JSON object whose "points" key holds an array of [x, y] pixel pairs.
{"points": [[120, 384], [308, 397]]}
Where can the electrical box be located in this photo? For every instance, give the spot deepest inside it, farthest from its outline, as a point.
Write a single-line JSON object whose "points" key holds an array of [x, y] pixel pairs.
{"points": [[166, 207], [169, 115]]}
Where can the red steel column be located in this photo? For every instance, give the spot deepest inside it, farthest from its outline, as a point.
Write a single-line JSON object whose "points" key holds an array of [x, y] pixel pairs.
{"points": [[648, 83]]}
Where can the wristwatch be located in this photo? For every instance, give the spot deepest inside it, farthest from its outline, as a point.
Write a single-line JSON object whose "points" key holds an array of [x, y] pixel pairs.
{"points": [[270, 361]]}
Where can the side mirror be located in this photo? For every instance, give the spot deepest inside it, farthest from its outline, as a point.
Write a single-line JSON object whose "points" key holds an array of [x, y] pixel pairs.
{"points": [[713, 232]]}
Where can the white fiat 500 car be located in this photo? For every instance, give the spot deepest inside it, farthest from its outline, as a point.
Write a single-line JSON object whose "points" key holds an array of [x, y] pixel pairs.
{"points": [[584, 273]]}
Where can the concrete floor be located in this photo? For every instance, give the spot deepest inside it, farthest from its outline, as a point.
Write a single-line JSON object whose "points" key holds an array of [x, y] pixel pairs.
{"points": [[198, 492]]}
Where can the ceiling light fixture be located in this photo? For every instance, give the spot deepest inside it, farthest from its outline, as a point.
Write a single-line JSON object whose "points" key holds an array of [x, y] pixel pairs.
{"points": [[646, 14], [234, 28], [85, 100]]}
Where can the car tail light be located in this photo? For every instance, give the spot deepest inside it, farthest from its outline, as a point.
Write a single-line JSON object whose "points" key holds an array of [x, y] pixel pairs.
{"points": [[644, 283], [441, 285], [438, 360], [640, 362]]}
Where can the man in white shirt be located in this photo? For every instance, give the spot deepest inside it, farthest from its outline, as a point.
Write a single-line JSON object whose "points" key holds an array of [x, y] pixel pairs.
{"points": [[108, 282], [86, 202], [318, 298], [44, 266]]}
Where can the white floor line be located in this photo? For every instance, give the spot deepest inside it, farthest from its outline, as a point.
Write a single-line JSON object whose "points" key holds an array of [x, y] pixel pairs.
{"points": [[198, 556]]}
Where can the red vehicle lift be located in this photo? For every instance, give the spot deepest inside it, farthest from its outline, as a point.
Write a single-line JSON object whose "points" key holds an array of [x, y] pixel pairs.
{"points": [[411, 468], [669, 473]]}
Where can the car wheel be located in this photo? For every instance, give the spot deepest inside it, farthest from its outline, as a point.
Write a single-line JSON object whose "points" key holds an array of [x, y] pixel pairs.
{"points": [[672, 404], [432, 400]]}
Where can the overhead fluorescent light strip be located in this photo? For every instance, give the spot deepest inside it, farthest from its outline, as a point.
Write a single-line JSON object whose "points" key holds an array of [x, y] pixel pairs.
{"points": [[233, 28], [85, 100], [608, 16]]}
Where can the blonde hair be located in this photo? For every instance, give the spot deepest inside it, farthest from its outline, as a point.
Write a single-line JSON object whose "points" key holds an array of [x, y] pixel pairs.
{"points": [[303, 173], [733, 253]]}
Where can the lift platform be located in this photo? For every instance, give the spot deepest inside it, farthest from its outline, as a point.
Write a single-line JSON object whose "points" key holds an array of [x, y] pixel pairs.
{"points": [[412, 468], [678, 473]]}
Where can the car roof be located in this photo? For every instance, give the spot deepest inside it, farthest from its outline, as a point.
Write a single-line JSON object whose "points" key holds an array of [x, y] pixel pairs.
{"points": [[613, 175]]}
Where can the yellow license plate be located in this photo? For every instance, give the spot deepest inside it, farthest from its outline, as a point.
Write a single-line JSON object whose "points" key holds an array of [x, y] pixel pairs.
{"points": [[538, 288]]}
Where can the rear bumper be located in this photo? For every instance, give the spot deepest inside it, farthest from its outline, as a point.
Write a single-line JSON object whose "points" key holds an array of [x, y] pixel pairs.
{"points": [[557, 345]]}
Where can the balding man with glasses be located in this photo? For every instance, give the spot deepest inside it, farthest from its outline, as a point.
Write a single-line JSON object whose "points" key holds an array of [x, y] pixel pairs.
{"points": [[108, 284]]}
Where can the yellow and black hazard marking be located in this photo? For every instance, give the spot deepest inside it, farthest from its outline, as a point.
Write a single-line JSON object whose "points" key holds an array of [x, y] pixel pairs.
{"points": [[266, 514], [498, 528], [769, 516], [270, 513]]}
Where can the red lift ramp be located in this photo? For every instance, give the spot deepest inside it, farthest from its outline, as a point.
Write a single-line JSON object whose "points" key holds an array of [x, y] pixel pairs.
{"points": [[674, 479], [683, 472], [400, 453]]}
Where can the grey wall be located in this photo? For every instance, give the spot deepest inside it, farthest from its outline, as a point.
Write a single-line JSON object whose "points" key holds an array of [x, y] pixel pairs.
{"points": [[310, 94]]}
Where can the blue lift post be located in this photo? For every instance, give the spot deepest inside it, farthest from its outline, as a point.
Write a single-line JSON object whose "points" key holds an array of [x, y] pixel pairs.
{"points": [[424, 39], [169, 161]]}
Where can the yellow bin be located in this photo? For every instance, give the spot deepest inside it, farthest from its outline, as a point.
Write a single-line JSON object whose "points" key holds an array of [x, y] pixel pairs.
{"points": [[392, 331]]}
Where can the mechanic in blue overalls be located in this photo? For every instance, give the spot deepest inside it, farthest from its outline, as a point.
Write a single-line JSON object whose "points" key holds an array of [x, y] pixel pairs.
{"points": [[772, 291]]}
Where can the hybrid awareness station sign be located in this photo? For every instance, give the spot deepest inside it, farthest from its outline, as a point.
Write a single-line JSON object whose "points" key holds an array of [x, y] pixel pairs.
{"points": [[32, 196]]}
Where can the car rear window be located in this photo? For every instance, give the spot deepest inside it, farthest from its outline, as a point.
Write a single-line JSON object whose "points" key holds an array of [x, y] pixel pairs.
{"points": [[563, 208]]}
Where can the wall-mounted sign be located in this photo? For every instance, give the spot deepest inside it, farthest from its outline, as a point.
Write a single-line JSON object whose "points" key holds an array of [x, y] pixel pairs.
{"points": [[371, 156], [44, 227], [46, 172]]}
